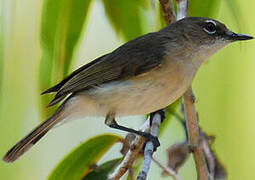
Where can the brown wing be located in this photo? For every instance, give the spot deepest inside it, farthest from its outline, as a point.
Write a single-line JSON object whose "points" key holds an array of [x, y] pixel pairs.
{"points": [[133, 58]]}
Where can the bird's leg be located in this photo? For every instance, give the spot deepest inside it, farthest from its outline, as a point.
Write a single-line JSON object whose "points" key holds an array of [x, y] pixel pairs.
{"points": [[111, 122], [162, 114]]}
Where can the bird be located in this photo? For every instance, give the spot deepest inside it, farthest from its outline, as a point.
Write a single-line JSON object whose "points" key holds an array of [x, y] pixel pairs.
{"points": [[139, 77]]}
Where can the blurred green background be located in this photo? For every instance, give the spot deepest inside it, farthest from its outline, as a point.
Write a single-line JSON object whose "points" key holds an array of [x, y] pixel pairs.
{"points": [[224, 86]]}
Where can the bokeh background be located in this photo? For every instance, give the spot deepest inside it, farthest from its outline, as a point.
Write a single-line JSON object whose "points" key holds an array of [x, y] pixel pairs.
{"points": [[224, 87]]}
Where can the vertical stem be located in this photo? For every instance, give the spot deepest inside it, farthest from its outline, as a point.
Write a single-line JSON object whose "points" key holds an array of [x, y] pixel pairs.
{"points": [[149, 147], [182, 9], [193, 135], [168, 11]]}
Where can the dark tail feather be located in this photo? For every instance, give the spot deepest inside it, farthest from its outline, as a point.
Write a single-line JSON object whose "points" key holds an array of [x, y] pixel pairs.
{"points": [[56, 100], [33, 137], [52, 89]]}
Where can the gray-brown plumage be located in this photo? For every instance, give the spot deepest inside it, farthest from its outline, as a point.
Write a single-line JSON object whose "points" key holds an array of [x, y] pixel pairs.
{"points": [[141, 76], [127, 61]]}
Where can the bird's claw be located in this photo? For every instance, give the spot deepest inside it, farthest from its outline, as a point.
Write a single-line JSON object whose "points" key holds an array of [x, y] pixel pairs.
{"points": [[154, 140]]}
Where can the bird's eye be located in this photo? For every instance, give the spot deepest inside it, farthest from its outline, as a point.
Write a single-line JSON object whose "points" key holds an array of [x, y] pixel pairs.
{"points": [[210, 27]]}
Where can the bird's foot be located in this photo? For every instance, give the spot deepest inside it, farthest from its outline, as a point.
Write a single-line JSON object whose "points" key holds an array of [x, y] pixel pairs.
{"points": [[153, 139]]}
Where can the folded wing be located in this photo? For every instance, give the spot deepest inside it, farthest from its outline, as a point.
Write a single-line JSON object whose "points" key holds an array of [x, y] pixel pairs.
{"points": [[131, 59]]}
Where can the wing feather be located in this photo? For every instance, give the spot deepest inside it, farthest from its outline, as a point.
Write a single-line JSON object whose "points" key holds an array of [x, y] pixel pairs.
{"points": [[131, 59]]}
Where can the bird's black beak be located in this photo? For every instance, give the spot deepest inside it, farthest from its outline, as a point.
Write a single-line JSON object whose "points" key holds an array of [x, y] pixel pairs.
{"points": [[237, 37]]}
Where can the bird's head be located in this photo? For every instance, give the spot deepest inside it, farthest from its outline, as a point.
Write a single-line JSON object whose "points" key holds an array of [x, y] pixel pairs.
{"points": [[203, 36], [208, 31]]}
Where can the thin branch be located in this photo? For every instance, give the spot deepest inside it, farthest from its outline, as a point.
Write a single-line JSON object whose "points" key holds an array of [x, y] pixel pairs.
{"points": [[166, 169], [205, 145], [168, 10], [193, 133], [209, 156], [182, 9], [131, 173], [131, 154], [149, 147]]}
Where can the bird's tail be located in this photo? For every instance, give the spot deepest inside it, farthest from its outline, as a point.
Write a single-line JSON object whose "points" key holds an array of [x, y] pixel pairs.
{"points": [[33, 137]]}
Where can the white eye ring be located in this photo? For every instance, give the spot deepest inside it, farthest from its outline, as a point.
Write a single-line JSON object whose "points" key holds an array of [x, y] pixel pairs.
{"points": [[207, 30]]}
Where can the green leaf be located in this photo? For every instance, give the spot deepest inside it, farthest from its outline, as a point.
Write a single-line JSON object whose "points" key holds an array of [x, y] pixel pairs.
{"points": [[234, 8], [125, 17], [203, 8], [61, 28], [173, 108], [101, 172], [78, 163], [159, 18], [1, 63], [2, 39]]}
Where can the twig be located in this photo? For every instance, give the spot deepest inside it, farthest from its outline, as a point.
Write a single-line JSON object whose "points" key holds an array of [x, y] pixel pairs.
{"points": [[193, 134], [166, 169], [148, 150], [168, 10], [209, 156], [131, 154], [205, 145], [131, 173], [182, 9]]}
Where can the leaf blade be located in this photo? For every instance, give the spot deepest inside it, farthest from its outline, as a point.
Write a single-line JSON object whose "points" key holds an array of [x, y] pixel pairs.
{"points": [[125, 17], [77, 163], [203, 8], [62, 25], [101, 172]]}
